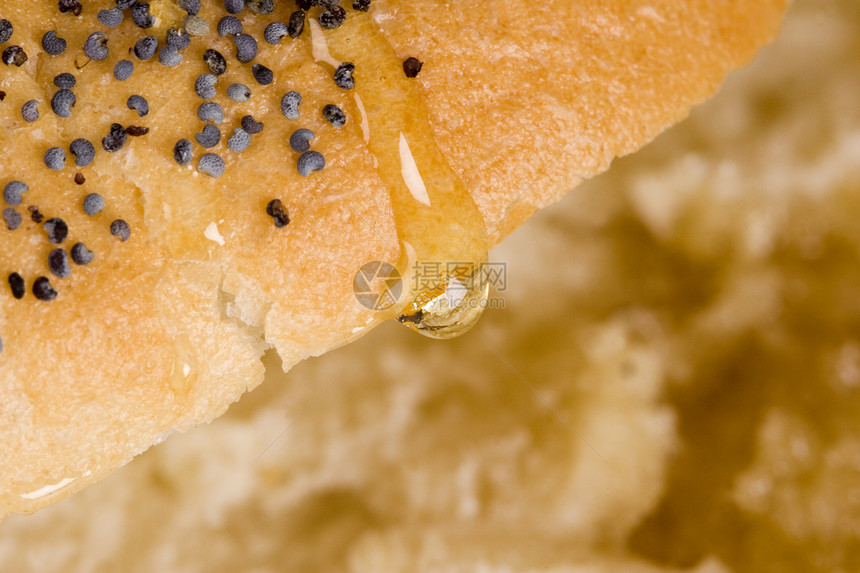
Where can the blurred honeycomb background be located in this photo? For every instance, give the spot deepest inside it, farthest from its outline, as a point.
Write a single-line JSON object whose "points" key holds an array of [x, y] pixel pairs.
{"points": [[673, 384]]}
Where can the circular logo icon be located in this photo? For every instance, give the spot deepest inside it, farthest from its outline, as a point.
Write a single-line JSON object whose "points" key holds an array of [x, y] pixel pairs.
{"points": [[377, 285]]}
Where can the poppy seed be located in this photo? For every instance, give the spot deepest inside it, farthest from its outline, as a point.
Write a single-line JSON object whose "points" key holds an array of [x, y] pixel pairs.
{"points": [[211, 164], [120, 229], [300, 140], [53, 44], [209, 137], [110, 18], [83, 151], [16, 283], [12, 218], [42, 289], [93, 204], [56, 229], [13, 191], [290, 105], [65, 80], [138, 104], [96, 46], [30, 111], [58, 262], [62, 102], [310, 161], [55, 158], [81, 255], [262, 74], [145, 48], [123, 70], [229, 26]]}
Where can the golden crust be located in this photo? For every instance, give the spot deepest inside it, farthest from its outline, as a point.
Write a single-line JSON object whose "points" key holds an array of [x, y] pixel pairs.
{"points": [[164, 331]]}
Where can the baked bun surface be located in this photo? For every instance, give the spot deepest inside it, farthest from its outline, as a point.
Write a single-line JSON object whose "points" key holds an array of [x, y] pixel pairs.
{"points": [[166, 325]]}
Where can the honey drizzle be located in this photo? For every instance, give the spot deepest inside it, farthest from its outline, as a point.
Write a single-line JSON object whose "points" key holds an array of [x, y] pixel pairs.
{"points": [[440, 227]]}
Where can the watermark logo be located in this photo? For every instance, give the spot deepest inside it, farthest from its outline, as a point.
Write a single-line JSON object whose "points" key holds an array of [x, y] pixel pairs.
{"points": [[431, 275], [377, 285]]}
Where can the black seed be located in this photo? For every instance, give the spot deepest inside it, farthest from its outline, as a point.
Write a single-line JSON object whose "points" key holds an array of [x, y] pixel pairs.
{"points": [[239, 92], [261, 6], [210, 111], [13, 191], [209, 137], [6, 30], [211, 164], [110, 18], [411, 67], [57, 230], [120, 229], [80, 179], [43, 290], [138, 104], [179, 39], [12, 218], [146, 47], [310, 161], [65, 81], [30, 111], [141, 16], [239, 141], [35, 214], [114, 140], [275, 32], [326, 4], [169, 56], [306, 4], [96, 46], [123, 70], [252, 126], [83, 151], [332, 18], [204, 85], [63, 102], [53, 44], [55, 158], [262, 74], [234, 6], [14, 55], [300, 140], [290, 105], [361, 5], [183, 152], [343, 76], [93, 204], [16, 283], [125, 4], [192, 7], [246, 48], [58, 262], [136, 131], [297, 24], [229, 26], [334, 115], [70, 6], [81, 255], [278, 212], [215, 61]]}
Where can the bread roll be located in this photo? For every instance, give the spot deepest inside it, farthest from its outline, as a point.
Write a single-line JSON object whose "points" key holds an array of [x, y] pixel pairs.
{"points": [[191, 279]]}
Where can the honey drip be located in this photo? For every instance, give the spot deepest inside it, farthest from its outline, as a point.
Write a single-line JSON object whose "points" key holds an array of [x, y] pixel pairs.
{"points": [[438, 224]]}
